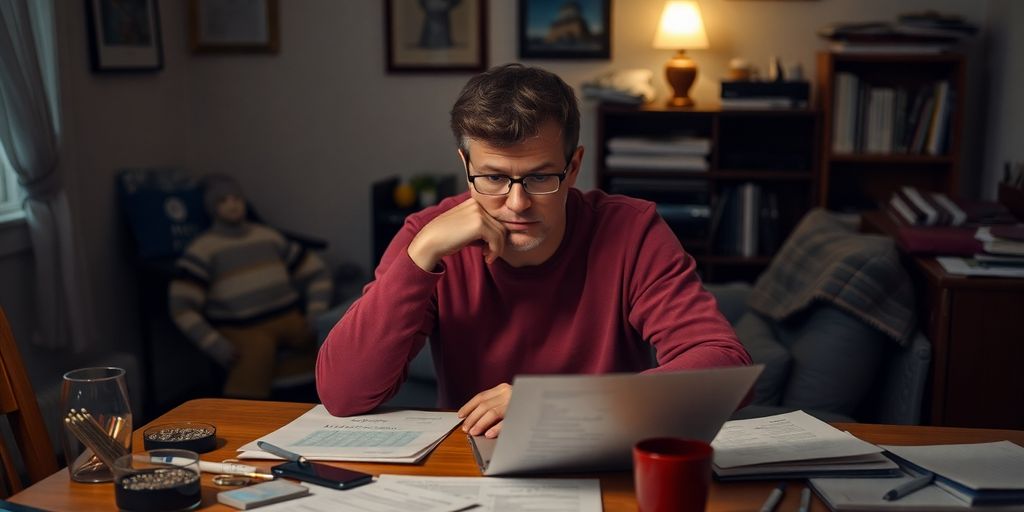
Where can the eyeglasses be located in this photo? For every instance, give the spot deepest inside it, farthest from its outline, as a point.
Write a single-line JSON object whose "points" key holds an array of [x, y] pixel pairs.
{"points": [[500, 184]]}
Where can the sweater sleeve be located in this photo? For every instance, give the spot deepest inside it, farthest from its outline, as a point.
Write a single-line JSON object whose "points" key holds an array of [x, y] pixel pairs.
{"points": [[186, 299], [364, 359], [672, 310]]}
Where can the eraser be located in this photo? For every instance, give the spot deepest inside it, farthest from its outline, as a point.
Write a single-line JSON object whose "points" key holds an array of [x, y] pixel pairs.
{"points": [[265, 493]]}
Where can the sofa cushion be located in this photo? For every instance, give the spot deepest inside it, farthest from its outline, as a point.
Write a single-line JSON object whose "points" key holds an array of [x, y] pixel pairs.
{"points": [[835, 359], [758, 338]]}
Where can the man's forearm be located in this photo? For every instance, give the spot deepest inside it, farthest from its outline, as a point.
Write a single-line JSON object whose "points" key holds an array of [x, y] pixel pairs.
{"points": [[363, 361]]}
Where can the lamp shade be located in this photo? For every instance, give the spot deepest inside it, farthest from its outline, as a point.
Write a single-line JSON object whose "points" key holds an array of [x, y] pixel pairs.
{"points": [[681, 27]]}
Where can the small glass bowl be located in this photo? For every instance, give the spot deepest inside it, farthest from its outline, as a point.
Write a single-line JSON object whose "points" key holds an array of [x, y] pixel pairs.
{"points": [[157, 481], [183, 435]]}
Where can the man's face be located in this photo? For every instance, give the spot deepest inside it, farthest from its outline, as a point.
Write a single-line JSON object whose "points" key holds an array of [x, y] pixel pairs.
{"points": [[535, 223]]}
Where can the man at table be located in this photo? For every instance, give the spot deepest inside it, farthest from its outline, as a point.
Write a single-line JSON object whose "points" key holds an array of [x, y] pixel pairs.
{"points": [[522, 274]]}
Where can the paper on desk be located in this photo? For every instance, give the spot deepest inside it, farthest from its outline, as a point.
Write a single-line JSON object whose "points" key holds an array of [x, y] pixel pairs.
{"points": [[398, 436], [783, 437], [978, 466], [533, 494], [380, 496]]}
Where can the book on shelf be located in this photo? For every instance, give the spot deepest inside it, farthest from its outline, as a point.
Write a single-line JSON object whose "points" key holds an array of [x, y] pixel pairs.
{"points": [[685, 191], [993, 243], [681, 145], [634, 162], [766, 102], [748, 94], [875, 119], [974, 476], [793, 445]]}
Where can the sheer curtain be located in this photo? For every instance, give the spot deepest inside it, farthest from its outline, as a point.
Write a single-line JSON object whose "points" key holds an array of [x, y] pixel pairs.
{"points": [[30, 135]]}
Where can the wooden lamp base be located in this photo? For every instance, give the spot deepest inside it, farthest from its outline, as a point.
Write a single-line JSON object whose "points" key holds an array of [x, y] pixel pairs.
{"points": [[680, 72]]}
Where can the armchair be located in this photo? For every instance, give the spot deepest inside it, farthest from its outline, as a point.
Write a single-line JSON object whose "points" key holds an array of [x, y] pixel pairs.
{"points": [[832, 320]]}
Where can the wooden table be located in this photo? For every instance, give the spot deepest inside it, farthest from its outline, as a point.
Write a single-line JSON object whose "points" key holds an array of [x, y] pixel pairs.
{"points": [[241, 421]]}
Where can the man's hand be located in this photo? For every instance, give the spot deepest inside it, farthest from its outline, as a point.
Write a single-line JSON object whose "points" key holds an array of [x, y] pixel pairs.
{"points": [[453, 230], [485, 411]]}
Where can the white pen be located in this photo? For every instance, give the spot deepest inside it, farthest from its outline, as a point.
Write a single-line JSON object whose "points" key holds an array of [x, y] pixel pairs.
{"points": [[805, 500], [225, 468], [774, 498]]}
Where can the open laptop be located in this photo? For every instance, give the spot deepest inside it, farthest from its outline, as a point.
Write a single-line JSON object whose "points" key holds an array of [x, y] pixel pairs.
{"points": [[561, 423]]}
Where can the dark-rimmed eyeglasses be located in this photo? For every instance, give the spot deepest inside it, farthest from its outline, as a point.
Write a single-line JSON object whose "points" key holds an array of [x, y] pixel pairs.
{"points": [[538, 184]]}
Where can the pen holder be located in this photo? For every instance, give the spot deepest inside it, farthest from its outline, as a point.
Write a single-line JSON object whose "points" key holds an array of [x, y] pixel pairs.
{"points": [[100, 394], [184, 435], [1013, 199], [157, 481]]}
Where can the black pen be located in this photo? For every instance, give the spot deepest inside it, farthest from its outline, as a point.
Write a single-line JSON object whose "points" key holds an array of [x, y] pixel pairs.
{"points": [[919, 482], [281, 452]]}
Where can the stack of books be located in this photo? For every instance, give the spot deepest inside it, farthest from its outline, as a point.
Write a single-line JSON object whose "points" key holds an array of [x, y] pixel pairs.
{"points": [[878, 119], [912, 33], [682, 203], [793, 445], [747, 94], [677, 153]]}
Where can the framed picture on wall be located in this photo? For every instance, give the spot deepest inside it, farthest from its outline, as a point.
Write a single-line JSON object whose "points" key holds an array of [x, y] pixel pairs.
{"points": [[124, 35], [436, 35], [553, 29], [233, 26]]}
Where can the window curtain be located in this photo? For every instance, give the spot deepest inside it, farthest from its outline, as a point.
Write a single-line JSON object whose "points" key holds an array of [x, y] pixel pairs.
{"points": [[30, 135]]}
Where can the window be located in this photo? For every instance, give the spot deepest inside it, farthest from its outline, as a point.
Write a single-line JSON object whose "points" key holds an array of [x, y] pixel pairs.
{"points": [[10, 192]]}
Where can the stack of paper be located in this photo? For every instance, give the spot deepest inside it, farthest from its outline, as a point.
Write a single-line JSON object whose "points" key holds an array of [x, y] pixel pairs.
{"points": [[793, 445], [390, 437], [981, 476]]}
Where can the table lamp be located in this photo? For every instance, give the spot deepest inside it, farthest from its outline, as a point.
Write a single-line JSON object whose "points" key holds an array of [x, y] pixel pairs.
{"points": [[681, 29]]}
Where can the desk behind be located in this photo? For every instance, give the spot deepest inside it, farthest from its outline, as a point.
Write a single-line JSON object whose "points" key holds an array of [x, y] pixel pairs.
{"points": [[241, 421]]}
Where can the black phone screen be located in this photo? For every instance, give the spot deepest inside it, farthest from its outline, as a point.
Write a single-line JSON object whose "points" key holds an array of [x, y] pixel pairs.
{"points": [[322, 474]]}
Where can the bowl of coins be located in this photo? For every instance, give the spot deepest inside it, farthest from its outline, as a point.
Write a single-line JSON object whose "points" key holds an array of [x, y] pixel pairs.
{"points": [[157, 481], [183, 435]]}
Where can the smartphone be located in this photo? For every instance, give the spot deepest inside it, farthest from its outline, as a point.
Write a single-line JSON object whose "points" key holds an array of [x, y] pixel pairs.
{"points": [[322, 474]]}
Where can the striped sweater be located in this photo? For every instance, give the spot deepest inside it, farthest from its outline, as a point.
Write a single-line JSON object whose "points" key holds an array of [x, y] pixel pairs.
{"points": [[242, 274]]}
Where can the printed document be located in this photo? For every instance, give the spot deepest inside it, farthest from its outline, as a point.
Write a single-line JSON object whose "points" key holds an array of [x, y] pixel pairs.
{"points": [[512, 494], [785, 437], [396, 436], [380, 496]]}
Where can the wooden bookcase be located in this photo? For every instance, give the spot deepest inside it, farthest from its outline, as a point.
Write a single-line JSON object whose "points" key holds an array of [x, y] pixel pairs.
{"points": [[774, 149], [858, 181]]}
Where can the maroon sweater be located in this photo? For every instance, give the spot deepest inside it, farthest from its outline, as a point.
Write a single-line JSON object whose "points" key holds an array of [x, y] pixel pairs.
{"points": [[618, 284]]}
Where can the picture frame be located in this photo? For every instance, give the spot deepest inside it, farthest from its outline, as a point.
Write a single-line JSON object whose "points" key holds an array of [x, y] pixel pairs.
{"points": [[234, 26], [451, 38], [124, 36], [565, 30]]}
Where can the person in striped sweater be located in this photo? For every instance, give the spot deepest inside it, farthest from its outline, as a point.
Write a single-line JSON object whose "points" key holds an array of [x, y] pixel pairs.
{"points": [[238, 293]]}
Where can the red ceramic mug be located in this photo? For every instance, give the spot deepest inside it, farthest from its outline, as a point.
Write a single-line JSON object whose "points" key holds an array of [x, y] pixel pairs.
{"points": [[671, 474]]}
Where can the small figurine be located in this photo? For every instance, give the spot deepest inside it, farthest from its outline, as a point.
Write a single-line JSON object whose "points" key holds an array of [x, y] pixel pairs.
{"points": [[238, 294]]}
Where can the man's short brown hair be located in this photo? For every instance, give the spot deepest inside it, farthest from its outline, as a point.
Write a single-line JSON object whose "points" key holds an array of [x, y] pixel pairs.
{"points": [[506, 104]]}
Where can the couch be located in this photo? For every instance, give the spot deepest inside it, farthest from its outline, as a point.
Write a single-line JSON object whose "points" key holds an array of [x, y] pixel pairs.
{"points": [[832, 319]]}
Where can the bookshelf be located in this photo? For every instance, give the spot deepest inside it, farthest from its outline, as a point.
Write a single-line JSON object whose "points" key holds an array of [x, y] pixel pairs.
{"points": [[888, 121], [771, 153]]}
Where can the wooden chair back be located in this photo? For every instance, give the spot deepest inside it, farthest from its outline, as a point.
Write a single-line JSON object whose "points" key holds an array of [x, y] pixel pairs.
{"points": [[18, 404]]}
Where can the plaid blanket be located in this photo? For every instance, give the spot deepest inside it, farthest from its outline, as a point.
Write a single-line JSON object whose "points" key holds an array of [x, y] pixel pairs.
{"points": [[825, 260]]}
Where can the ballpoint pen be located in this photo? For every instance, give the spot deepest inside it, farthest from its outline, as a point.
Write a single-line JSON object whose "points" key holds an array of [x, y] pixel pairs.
{"points": [[918, 482], [226, 468], [805, 500], [281, 452], [774, 498]]}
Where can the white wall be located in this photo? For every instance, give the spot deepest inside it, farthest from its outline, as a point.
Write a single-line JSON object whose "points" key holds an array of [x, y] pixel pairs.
{"points": [[1005, 67], [307, 130]]}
